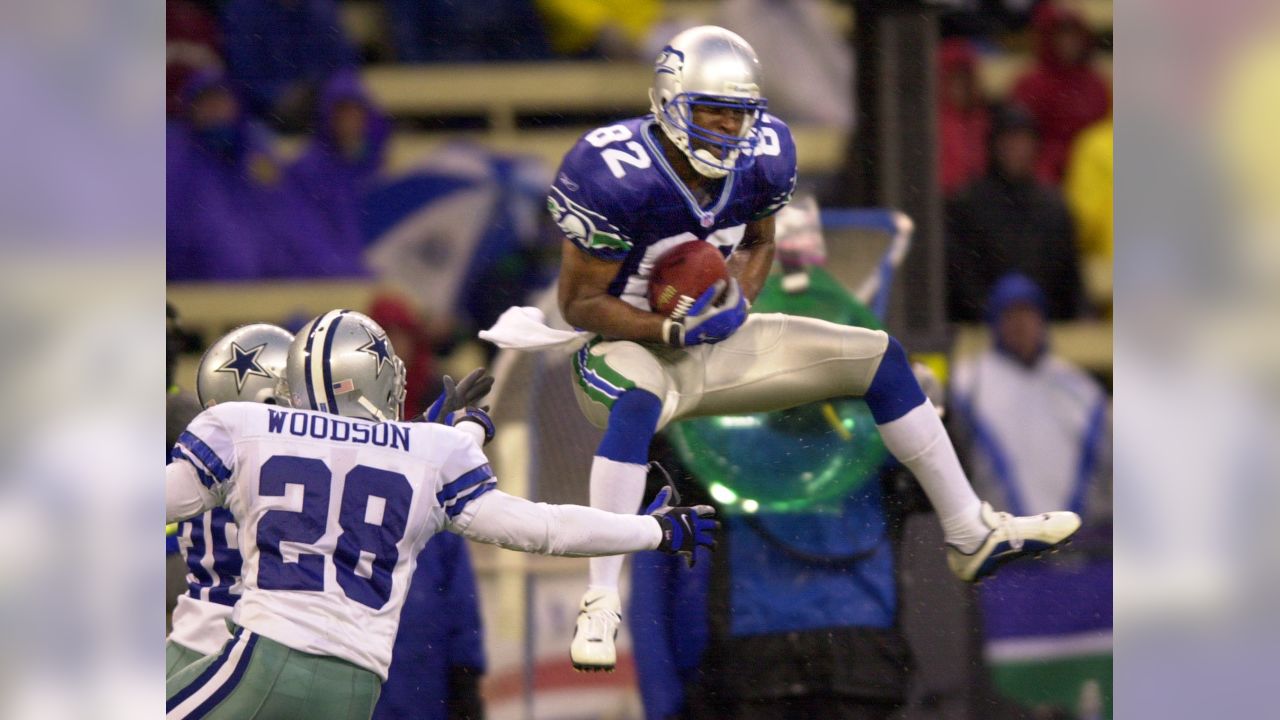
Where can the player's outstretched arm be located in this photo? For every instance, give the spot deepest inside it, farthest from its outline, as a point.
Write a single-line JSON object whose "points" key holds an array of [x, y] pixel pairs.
{"points": [[572, 530], [586, 303]]}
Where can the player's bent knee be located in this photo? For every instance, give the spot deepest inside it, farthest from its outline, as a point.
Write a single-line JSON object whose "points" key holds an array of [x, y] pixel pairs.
{"points": [[894, 390], [632, 422]]}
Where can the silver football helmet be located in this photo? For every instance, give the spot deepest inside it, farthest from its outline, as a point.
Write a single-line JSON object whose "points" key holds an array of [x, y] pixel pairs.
{"points": [[245, 365], [708, 65], [342, 363]]}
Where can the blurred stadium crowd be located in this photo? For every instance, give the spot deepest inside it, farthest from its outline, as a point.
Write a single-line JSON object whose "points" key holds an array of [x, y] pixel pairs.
{"points": [[280, 156], [394, 156]]}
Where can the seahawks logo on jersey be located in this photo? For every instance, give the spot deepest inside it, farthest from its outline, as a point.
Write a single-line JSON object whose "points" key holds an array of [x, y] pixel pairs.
{"points": [[777, 202], [584, 227]]}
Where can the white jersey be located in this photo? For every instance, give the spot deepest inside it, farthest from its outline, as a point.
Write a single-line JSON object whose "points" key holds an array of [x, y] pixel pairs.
{"points": [[210, 547], [332, 513]]}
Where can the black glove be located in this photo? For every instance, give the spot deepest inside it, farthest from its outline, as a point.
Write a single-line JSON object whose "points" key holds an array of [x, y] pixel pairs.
{"points": [[684, 529], [464, 694], [467, 393]]}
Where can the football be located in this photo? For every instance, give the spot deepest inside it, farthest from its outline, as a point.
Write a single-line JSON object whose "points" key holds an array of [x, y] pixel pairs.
{"points": [[682, 274]]}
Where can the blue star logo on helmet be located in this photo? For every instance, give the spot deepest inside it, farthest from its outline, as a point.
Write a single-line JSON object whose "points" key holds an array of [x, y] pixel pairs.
{"points": [[244, 363], [377, 347]]}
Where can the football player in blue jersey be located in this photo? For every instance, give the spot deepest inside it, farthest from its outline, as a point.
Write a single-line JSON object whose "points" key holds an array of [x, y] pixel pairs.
{"points": [[711, 165]]}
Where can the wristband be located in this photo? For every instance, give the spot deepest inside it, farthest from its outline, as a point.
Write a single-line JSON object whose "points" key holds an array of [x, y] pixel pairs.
{"points": [[673, 332], [475, 415]]}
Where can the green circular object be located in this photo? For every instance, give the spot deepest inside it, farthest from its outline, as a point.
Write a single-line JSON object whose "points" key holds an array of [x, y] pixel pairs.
{"points": [[805, 458]]}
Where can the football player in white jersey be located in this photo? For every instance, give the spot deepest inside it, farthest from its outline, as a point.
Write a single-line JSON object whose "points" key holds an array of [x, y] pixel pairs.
{"points": [[334, 498], [245, 365], [709, 164]]}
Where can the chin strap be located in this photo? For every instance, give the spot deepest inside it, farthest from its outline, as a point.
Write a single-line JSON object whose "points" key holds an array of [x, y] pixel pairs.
{"points": [[371, 408], [701, 158]]}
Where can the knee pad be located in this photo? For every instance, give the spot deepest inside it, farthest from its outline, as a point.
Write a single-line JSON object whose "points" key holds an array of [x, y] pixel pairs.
{"points": [[632, 422], [894, 390]]}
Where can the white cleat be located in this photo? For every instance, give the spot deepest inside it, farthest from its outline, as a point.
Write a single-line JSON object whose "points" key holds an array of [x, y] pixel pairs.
{"points": [[1010, 538], [593, 647]]}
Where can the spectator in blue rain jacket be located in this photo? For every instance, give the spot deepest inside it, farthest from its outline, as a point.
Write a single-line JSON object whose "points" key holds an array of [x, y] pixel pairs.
{"points": [[342, 160], [231, 213], [279, 52]]}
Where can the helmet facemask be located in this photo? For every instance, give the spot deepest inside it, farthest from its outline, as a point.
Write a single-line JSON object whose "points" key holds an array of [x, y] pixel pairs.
{"points": [[675, 117], [281, 395], [394, 402]]}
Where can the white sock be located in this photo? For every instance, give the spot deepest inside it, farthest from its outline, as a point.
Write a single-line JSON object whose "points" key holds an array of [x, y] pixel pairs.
{"points": [[617, 487], [920, 442]]}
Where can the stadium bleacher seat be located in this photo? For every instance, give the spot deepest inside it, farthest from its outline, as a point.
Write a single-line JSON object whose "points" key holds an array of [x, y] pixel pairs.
{"points": [[819, 150], [997, 74]]}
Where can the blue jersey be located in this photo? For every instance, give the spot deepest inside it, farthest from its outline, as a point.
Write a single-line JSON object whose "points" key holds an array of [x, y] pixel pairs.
{"points": [[617, 198]]}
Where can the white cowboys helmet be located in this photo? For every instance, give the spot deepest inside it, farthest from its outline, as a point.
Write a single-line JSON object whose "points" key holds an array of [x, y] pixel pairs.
{"points": [[342, 363], [708, 65], [245, 365]]}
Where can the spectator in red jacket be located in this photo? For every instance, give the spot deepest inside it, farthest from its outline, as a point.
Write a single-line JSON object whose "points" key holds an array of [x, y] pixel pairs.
{"points": [[964, 121], [1063, 91], [192, 44], [342, 161]]}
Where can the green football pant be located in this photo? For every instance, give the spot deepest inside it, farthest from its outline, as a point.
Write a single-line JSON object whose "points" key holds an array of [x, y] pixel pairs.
{"points": [[257, 677], [177, 657]]}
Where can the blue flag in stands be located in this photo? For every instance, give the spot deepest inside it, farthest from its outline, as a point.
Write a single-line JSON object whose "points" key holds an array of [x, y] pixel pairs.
{"points": [[465, 233]]}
